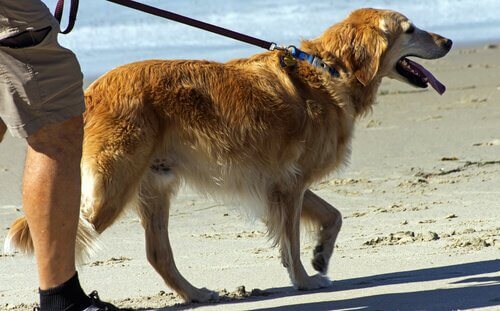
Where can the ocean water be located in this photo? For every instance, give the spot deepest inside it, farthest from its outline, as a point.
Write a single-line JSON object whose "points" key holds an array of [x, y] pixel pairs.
{"points": [[107, 35]]}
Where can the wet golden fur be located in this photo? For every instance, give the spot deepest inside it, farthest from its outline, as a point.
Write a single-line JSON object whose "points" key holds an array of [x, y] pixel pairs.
{"points": [[246, 129]]}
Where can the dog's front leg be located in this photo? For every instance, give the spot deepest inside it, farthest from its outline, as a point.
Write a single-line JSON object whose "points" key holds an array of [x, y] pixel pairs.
{"points": [[284, 222], [328, 220]]}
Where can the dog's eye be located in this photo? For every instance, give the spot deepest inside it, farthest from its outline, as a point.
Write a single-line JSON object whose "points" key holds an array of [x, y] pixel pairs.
{"points": [[410, 29]]}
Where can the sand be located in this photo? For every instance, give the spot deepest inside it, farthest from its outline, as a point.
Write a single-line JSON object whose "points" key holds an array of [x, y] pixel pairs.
{"points": [[421, 207]]}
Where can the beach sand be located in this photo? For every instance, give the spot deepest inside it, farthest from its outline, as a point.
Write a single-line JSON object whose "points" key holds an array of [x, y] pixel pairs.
{"points": [[420, 201]]}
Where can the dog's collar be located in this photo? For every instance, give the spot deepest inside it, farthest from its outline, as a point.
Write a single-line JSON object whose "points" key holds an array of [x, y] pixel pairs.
{"points": [[311, 59]]}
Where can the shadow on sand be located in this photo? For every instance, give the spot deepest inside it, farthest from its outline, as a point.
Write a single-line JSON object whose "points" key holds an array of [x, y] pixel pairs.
{"points": [[485, 292]]}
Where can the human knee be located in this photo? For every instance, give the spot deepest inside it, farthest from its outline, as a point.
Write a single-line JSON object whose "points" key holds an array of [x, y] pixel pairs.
{"points": [[59, 139]]}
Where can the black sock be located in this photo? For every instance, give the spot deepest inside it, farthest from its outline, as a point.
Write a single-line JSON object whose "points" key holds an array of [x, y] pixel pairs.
{"points": [[68, 296]]}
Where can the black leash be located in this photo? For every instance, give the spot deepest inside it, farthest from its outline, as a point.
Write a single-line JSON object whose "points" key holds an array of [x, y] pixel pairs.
{"points": [[287, 60], [72, 14], [196, 23]]}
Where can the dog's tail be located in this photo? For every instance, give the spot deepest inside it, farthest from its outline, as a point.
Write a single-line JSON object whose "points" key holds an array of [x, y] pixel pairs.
{"points": [[19, 239]]}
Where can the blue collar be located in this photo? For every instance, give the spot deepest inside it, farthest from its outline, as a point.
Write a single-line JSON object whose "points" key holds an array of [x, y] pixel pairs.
{"points": [[313, 60]]}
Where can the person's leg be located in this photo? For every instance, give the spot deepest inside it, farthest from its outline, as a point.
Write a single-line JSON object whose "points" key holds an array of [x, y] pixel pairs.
{"points": [[51, 198], [41, 99]]}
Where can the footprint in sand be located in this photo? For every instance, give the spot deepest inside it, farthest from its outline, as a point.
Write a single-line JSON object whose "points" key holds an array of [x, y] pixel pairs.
{"points": [[494, 142]]}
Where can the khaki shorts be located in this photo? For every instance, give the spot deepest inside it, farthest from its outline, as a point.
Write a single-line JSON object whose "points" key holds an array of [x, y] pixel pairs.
{"points": [[40, 81]]}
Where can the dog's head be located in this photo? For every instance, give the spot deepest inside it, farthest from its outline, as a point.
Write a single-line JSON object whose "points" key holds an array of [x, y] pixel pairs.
{"points": [[372, 44]]}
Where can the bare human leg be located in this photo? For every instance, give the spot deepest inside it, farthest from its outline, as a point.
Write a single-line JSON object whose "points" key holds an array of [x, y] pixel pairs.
{"points": [[51, 198]]}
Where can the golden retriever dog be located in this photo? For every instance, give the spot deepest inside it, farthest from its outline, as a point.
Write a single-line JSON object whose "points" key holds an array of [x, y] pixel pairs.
{"points": [[252, 129]]}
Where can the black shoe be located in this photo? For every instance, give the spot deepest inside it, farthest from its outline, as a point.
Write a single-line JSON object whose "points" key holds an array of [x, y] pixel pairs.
{"points": [[98, 305], [95, 305]]}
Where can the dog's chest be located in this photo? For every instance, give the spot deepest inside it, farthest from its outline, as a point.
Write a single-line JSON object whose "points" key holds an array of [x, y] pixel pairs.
{"points": [[327, 141]]}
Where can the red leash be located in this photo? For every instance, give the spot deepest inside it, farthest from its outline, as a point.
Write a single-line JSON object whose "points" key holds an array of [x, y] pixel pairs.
{"points": [[72, 14]]}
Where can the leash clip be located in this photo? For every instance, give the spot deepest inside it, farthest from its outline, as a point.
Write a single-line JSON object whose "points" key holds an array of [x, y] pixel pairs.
{"points": [[288, 59], [275, 46]]}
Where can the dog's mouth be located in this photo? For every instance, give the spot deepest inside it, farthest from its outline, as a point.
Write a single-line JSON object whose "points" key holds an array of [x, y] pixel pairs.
{"points": [[417, 75]]}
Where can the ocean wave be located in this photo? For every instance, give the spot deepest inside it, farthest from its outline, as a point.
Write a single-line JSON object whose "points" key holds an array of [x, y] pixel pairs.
{"points": [[128, 35]]}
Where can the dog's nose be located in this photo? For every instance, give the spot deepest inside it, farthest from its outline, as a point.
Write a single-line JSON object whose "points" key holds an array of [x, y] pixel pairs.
{"points": [[447, 44]]}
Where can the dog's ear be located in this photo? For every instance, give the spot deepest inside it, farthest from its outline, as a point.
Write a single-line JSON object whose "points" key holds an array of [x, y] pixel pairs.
{"points": [[357, 45], [368, 49]]}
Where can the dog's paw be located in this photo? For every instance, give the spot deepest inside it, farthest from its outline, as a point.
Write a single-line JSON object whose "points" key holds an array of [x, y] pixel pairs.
{"points": [[320, 260], [316, 281], [204, 295]]}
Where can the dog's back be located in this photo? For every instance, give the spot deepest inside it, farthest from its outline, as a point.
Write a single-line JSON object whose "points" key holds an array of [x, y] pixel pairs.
{"points": [[232, 128]]}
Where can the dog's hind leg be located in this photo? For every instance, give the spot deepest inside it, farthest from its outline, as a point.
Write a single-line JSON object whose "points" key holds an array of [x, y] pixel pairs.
{"points": [[106, 195], [115, 157], [328, 220], [153, 208], [284, 223]]}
